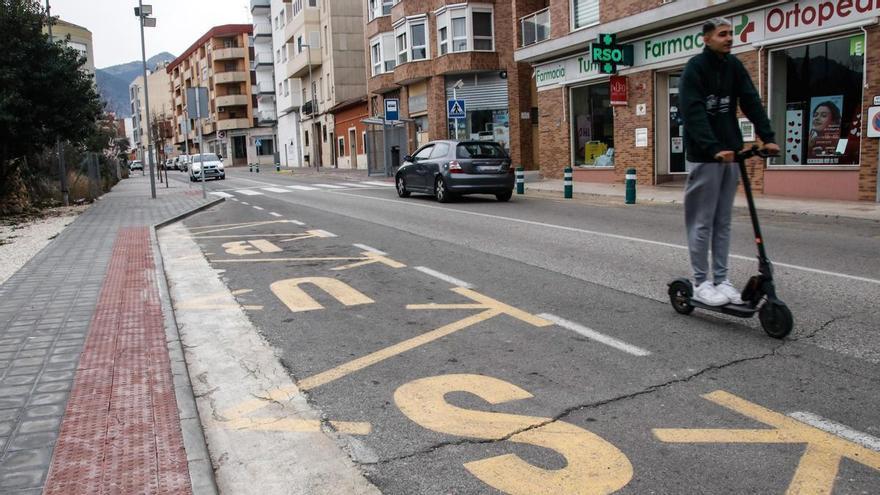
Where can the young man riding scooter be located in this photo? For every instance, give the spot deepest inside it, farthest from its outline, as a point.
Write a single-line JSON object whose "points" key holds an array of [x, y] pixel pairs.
{"points": [[714, 83]]}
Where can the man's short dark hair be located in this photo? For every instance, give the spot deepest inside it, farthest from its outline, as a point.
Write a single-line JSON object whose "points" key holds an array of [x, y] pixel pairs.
{"points": [[712, 24]]}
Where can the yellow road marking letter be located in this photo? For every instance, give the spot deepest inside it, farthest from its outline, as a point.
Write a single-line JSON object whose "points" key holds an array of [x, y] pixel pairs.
{"points": [[594, 466]]}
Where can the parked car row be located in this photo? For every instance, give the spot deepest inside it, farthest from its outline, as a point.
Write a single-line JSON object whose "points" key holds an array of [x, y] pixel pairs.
{"points": [[447, 169]]}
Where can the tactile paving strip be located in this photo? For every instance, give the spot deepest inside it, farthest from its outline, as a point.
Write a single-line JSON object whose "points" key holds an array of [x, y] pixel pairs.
{"points": [[121, 431]]}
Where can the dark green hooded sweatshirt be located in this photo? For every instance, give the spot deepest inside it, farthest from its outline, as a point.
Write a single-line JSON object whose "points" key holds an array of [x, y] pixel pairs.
{"points": [[711, 88]]}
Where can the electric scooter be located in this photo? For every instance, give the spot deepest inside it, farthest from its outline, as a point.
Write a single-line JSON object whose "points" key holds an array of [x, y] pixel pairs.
{"points": [[759, 294]]}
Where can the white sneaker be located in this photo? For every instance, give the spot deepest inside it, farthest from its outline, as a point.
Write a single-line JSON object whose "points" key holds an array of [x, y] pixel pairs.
{"points": [[707, 294], [731, 292]]}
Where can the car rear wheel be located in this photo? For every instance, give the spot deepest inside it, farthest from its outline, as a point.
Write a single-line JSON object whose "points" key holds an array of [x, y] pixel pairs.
{"points": [[505, 196], [441, 192], [401, 187]]}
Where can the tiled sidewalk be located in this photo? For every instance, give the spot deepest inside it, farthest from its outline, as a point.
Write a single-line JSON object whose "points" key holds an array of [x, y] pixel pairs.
{"points": [[45, 313]]}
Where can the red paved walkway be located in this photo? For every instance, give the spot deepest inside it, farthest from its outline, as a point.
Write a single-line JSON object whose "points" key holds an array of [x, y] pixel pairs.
{"points": [[121, 432]]}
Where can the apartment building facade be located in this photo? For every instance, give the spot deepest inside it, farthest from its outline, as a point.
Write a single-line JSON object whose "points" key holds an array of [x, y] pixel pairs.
{"points": [[425, 53], [161, 107], [805, 57], [221, 61], [319, 59], [76, 37]]}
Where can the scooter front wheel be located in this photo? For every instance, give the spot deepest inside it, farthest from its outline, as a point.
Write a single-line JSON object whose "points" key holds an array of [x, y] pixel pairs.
{"points": [[680, 294], [776, 319]]}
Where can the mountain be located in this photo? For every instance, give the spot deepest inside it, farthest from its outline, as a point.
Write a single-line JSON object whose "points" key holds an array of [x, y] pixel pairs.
{"points": [[113, 82]]}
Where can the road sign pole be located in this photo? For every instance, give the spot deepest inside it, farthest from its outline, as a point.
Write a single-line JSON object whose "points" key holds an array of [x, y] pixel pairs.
{"points": [[201, 151]]}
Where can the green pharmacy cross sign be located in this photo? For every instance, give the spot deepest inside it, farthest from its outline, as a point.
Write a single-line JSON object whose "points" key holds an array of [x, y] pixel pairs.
{"points": [[608, 54]]}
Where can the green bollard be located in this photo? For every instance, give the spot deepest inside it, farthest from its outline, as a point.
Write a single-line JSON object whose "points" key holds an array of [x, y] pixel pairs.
{"points": [[569, 184], [520, 180], [250, 167], [278, 167], [631, 178], [257, 167]]}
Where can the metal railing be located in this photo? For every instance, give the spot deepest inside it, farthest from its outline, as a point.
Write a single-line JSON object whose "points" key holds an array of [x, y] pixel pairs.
{"points": [[535, 27]]}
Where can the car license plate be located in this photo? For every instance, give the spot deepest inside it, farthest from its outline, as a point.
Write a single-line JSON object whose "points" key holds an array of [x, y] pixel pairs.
{"points": [[489, 168]]}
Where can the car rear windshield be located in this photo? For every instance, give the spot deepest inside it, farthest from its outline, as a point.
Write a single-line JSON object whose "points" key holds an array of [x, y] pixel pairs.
{"points": [[207, 157], [480, 150]]}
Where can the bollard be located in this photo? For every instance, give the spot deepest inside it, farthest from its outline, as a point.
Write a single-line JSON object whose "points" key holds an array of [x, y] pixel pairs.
{"points": [[251, 167], [631, 186], [257, 166], [278, 167], [520, 180], [568, 183]]}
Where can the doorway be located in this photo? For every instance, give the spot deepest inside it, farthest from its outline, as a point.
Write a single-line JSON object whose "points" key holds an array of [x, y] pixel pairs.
{"points": [[239, 150], [670, 149], [353, 148], [676, 128]]}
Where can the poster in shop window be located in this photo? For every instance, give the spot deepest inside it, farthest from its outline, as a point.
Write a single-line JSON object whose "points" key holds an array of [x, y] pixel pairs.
{"points": [[794, 126], [825, 123]]}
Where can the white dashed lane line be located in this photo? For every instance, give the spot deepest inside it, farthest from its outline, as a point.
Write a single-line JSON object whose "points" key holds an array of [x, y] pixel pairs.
{"points": [[596, 336], [446, 278]]}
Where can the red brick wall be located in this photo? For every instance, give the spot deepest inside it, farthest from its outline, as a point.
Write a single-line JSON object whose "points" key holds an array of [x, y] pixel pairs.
{"points": [[560, 18], [611, 10], [554, 133], [626, 155], [868, 172]]}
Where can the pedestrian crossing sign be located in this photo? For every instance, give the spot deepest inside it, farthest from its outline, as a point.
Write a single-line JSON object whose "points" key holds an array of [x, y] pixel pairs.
{"points": [[456, 109]]}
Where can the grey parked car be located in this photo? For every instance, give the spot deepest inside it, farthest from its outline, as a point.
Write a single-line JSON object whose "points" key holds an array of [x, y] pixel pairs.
{"points": [[446, 169]]}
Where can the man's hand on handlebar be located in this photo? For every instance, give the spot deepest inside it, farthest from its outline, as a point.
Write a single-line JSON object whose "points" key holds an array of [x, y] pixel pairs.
{"points": [[771, 149]]}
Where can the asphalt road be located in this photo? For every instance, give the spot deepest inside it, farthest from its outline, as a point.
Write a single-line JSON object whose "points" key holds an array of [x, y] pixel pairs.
{"points": [[528, 347]]}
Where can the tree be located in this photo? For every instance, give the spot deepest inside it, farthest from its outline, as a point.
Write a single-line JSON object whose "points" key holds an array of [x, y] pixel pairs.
{"points": [[44, 94]]}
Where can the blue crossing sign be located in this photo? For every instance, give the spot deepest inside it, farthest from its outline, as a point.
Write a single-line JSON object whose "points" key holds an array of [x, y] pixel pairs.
{"points": [[456, 109], [392, 109]]}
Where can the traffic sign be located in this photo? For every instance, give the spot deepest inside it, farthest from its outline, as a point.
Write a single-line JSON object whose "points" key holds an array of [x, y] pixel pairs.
{"points": [[457, 109], [169, 149], [874, 122], [392, 109]]}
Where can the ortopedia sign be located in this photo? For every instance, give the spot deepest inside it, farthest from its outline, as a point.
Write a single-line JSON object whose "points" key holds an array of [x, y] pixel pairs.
{"points": [[803, 17]]}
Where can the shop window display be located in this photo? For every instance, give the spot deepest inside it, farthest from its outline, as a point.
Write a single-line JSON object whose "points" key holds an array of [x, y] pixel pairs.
{"points": [[593, 126], [816, 101], [482, 125]]}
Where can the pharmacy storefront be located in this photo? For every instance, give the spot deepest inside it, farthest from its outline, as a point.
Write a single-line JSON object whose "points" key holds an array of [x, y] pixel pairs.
{"points": [[811, 62]]}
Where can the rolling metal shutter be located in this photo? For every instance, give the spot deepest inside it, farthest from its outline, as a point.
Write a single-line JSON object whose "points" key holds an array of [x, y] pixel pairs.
{"points": [[481, 91]]}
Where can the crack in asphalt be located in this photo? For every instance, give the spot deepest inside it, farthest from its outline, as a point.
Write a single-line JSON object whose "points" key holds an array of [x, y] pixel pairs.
{"points": [[568, 411], [822, 327]]}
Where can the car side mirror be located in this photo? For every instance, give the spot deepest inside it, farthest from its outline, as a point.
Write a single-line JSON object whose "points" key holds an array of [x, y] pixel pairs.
{"points": [[409, 158]]}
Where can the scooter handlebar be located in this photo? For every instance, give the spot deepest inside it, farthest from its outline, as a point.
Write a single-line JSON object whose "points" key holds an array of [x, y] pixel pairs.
{"points": [[755, 150]]}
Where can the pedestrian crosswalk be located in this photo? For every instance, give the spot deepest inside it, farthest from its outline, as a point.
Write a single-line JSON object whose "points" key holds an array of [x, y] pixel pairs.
{"points": [[278, 189]]}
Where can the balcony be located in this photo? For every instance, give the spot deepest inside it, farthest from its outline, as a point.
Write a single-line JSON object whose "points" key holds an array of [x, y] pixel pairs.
{"points": [[230, 77], [266, 117], [187, 74], [231, 101], [307, 108], [298, 65], [263, 60], [264, 88], [260, 5], [535, 27], [230, 124], [263, 30], [229, 53], [307, 20]]}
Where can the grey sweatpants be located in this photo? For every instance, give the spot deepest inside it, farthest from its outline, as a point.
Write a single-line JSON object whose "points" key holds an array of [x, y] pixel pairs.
{"points": [[708, 206]]}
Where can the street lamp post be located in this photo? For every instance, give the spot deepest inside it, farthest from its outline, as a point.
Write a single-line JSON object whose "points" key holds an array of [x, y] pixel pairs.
{"points": [[143, 15], [59, 146]]}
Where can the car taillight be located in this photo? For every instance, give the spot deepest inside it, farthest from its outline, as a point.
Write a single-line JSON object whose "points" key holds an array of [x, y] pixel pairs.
{"points": [[455, 167]]}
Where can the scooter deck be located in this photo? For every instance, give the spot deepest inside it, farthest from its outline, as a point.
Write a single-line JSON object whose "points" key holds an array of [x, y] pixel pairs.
{"points": [[738, 310]]}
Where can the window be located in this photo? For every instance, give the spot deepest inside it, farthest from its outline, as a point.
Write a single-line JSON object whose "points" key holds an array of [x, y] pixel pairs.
{"points": [[424, 153], [402, 56], [419, 42], [376, 56], [479, 150], [341, 142], [443, 34], [265, 146], [299, 44], [593, 125], [286, 87], [324, 130], [440, 151], [306, 138], [483, 31], [584, 13], [816, 98], [459, 34]]}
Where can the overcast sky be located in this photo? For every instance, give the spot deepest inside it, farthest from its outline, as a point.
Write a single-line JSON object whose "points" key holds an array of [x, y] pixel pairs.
{"points": [[115, 30]]}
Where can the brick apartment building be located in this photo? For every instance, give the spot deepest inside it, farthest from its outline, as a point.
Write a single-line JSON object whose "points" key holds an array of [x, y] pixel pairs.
{"points": [[802, 55], [221, 60], [424, 52]]}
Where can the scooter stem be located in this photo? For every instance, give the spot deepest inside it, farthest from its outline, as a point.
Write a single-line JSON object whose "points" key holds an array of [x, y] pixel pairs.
{"points": [[759, 239]]}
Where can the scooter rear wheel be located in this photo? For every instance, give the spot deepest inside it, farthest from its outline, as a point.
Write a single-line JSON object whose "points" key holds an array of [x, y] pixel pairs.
{"points": [[776, 319], [680, 294]]}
